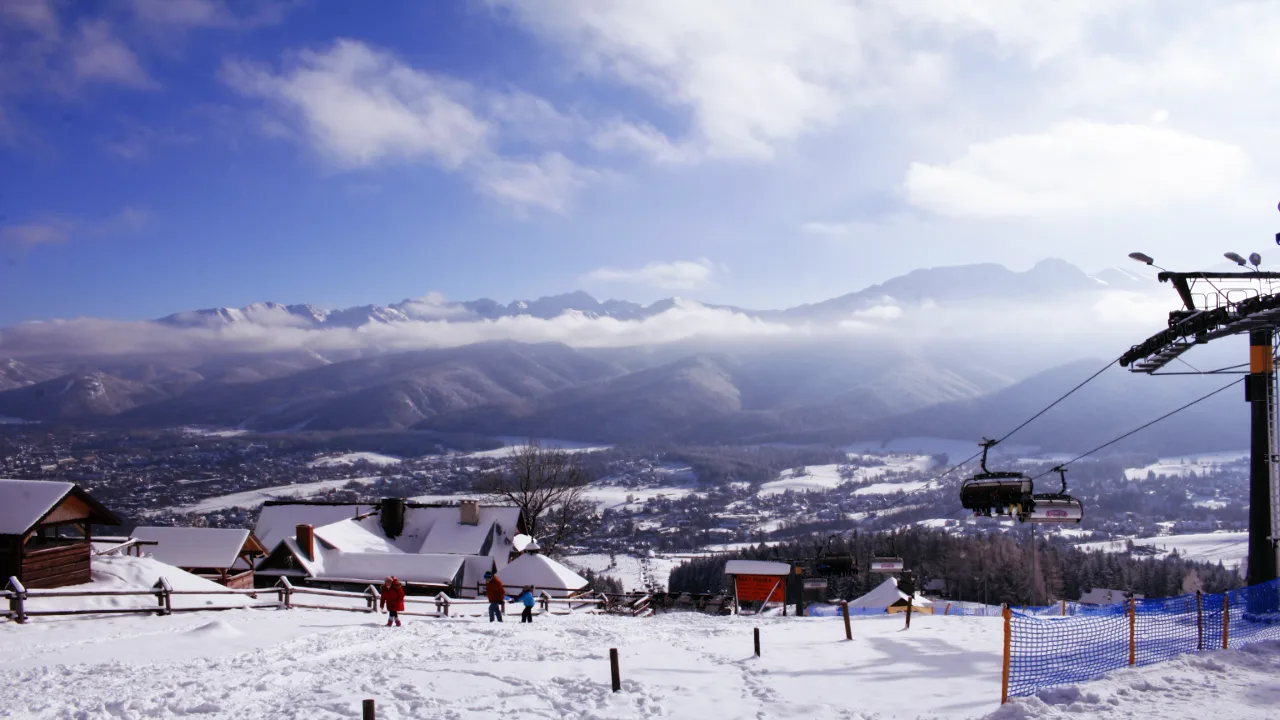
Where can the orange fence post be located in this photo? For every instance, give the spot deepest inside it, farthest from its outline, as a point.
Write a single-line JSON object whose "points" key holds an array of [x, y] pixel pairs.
{"points": [[1226, 617], [1008, 637], [1133, 630]]}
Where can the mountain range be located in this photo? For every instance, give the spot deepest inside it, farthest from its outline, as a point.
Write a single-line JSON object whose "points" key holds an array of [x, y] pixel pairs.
{"points": [[808, 384]]}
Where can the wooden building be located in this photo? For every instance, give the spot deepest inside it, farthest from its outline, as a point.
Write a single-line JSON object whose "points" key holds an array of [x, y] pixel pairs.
{"points": [[46, 530], [223, 555]]}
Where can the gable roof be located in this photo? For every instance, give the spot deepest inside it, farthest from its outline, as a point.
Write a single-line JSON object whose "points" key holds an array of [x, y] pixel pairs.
{"points": [[372, 567], [192, 547], [885, 595], [24, 503]]}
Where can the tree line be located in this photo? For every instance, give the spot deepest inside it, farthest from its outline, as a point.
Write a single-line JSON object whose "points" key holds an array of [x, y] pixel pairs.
{"points": [[994, 568]]}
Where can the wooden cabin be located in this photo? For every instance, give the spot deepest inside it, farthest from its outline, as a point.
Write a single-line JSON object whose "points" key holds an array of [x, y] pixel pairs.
{"points": [[46, 530], [223, 555]]}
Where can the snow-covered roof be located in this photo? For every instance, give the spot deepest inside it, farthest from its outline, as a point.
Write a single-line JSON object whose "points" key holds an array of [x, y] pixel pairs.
{"points": [[542, 573], [756, 567], [192, 547], [372, 567], [279, 521], [24, 502], [886, 594]]}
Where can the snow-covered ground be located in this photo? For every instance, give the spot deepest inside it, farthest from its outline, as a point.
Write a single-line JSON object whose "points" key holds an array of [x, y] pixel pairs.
{"points": [[214, 432], [254, 498], [615, 496], [633, 572], [827, 477], [1228, 547], [1187, 465], [511, 443], [352, 458], [300, 663]]}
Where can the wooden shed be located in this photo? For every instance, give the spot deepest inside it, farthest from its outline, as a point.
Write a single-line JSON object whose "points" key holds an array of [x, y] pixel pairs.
{"points": [[45, 532], [223, 555]]}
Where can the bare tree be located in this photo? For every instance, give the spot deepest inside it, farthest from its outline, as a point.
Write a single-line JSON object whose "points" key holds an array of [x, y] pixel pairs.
{"points": [[548, 485]]}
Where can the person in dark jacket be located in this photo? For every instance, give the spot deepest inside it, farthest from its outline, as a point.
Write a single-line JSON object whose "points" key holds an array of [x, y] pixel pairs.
{"points": [[526, 597], [392, 599], [496, 593]]}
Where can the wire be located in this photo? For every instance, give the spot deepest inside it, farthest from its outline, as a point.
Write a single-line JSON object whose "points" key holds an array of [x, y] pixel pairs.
{"points": [[1143, 427], [1055, 402]]}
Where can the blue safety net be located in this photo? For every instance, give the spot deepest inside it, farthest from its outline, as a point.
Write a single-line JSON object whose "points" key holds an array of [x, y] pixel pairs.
{"points": [[1047, 650]]}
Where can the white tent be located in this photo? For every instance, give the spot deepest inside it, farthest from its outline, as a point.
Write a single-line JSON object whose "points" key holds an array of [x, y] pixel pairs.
{"points": [[543, 573], [887, 595]]}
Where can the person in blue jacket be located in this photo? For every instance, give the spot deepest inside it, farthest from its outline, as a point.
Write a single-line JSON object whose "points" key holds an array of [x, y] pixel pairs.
{"points": [[526, 597]]}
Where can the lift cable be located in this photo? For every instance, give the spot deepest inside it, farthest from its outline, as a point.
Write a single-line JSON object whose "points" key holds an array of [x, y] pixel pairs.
{"points": [[1143, 427]]}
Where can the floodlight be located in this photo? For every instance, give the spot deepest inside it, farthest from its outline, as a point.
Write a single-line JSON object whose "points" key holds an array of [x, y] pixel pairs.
{"points": [[1140, 257], [1233, 257], [1255, 259]]}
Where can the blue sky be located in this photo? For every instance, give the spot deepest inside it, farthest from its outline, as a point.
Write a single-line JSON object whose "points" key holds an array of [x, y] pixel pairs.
{"points": [[161, 155]]}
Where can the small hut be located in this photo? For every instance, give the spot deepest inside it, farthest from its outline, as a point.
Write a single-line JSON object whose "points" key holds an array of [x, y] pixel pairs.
{"points": [[46, 532], [543, 574], [223, 555], [759, 581], [887, 597]]}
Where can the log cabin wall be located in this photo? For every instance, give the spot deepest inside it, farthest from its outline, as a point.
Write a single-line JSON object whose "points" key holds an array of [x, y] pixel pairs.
{"points": [[56, 566], [10, 557]]}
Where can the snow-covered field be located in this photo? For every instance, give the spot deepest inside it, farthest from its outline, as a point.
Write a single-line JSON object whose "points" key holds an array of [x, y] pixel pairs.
{"points": [[352, 458], [511, 443], [615, 496], [1187, 465], [1228, 547], [827, 477], [254, 498]]}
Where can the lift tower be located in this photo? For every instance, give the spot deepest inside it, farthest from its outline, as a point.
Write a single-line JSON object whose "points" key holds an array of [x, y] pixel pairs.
{"points": [[1218, 305]]}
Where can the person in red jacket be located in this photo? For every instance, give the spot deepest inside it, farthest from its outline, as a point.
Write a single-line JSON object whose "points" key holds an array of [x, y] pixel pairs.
{"points": [[496, 593], [392, 599]]}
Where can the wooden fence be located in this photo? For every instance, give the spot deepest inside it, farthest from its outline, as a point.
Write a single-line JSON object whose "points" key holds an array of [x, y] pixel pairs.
{"points": [[286, 597]]}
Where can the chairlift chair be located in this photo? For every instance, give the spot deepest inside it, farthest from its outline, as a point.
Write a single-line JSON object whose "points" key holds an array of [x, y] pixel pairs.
{"points": [[1056, 507], [998, 493]]}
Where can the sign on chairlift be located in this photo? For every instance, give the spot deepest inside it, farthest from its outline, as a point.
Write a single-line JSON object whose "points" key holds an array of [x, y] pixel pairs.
{"points": [[886, 565], [815, 584]]}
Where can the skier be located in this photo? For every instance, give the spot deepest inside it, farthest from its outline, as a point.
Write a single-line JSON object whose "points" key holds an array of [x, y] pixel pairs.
{"points": [[496, 593], [526, 597], [392, 599]]}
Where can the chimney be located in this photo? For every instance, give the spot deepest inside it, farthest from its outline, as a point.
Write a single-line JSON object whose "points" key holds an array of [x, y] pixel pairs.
{"points": [[469, 512], [391, 515], [307, 541]]}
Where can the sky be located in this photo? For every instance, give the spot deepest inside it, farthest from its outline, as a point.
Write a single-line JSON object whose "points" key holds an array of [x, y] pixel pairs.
{"points": [[165, 155]]}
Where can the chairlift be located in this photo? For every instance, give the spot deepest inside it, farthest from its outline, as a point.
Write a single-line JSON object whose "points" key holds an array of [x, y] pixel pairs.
{"points": [[998, 493], [887, 565], [1056, 507]]}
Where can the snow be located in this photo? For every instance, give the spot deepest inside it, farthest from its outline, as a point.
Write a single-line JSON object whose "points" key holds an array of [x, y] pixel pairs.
{"points": [[886, 594], [1187, 465], [276, 522], [122, 572], [887, 488], [5, 420], [250, 664], [1229, 548], [302, 663], [24, 502], [254, 498], [214, 432], [615, 496], [827, 477], [352, 458], [193, 547], [1217, 685], [542, 573], [756, 567], [511, 444]]}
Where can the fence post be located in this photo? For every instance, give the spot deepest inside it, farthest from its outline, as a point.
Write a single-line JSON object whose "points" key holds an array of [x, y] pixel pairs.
{"points": [[1133, 630], [1064, 607], [286, 589], [18, 600], [1226, 617], [757, 634], [370, 710], [1008, 640], [844, 610], [372, 596], [442, 605], [1199, 620], [545, 600], [163, 589], [614, 673]]}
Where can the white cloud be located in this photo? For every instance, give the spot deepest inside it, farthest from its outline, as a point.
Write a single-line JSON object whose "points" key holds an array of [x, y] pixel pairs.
{"points": [[1079, 167], [60, 230], [98, 55], [360, 106], [55, 231], [677, 275], [36, 15], [752, 73], [642, 139], [176, 15]]}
